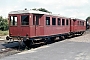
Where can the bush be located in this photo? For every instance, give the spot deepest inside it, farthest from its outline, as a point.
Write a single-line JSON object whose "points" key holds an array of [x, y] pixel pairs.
{"points": [[3, 24]]}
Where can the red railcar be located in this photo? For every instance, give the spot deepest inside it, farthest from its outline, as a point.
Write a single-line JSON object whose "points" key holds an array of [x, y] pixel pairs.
{"points": [[78, 26], [37, 24]]}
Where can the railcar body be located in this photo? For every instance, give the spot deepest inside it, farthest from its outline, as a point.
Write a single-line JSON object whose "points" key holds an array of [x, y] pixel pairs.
{"points": [[37, 24]]}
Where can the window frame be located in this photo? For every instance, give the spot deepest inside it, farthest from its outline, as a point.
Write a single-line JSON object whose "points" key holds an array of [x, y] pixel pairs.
{"points": [[48, 21], [67, 22], [63, 20], [78, 23], [12, 19], [26, 22], [53, 21], [36, 20], [33, 19], [58, 21], [82, 23]]}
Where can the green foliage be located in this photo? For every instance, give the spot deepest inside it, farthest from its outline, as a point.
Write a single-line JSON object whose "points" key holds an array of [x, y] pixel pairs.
{"points": [[42, 9], [3, 24]]}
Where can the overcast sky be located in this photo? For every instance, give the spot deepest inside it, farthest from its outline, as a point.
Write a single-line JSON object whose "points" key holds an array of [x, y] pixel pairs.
{"points": [[69, 8]]}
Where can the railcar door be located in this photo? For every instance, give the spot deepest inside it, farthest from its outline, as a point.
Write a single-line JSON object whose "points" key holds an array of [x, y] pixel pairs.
{"points": [[13, 25], [38, 25], [74, 25], [70, 26]]}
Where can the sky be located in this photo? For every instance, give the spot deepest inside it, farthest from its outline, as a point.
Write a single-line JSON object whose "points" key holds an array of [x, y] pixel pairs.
{"points": [[68, 8]]}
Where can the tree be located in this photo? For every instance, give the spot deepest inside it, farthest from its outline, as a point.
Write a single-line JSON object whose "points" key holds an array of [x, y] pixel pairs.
{"points": [[3, 23], [34, 9], [42, 9]]}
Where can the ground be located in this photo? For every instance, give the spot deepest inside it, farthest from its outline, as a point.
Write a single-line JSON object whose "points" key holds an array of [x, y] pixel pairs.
{"points": [[77, 48]]}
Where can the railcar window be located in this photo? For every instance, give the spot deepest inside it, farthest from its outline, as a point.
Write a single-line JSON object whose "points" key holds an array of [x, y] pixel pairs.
{"points": [[78, 23], [47, 20], [67, 22], [25, 20], [83, 23], [33, 20], [63, 21], [13, 20], [37, 20], [53, 21], [59, 22]]}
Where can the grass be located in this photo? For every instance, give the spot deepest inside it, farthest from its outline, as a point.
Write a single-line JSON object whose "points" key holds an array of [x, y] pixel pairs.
{"points": [[2, 33]]}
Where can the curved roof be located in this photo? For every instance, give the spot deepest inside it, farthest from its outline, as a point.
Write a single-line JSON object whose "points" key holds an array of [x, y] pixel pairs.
{"points": [[27, 11], [37, 12]]}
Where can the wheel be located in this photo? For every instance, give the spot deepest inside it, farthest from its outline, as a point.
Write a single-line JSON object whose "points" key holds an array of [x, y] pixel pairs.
{"points": [[28, 42], [48, 40], [53, 39], [61, 38]]}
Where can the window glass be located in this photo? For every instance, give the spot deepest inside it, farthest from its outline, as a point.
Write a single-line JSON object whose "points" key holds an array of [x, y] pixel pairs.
{"points": [[53, 21], [47, 20], [25, 20], [63, 21], [13, 20], [59, 22], [67, 22]]}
